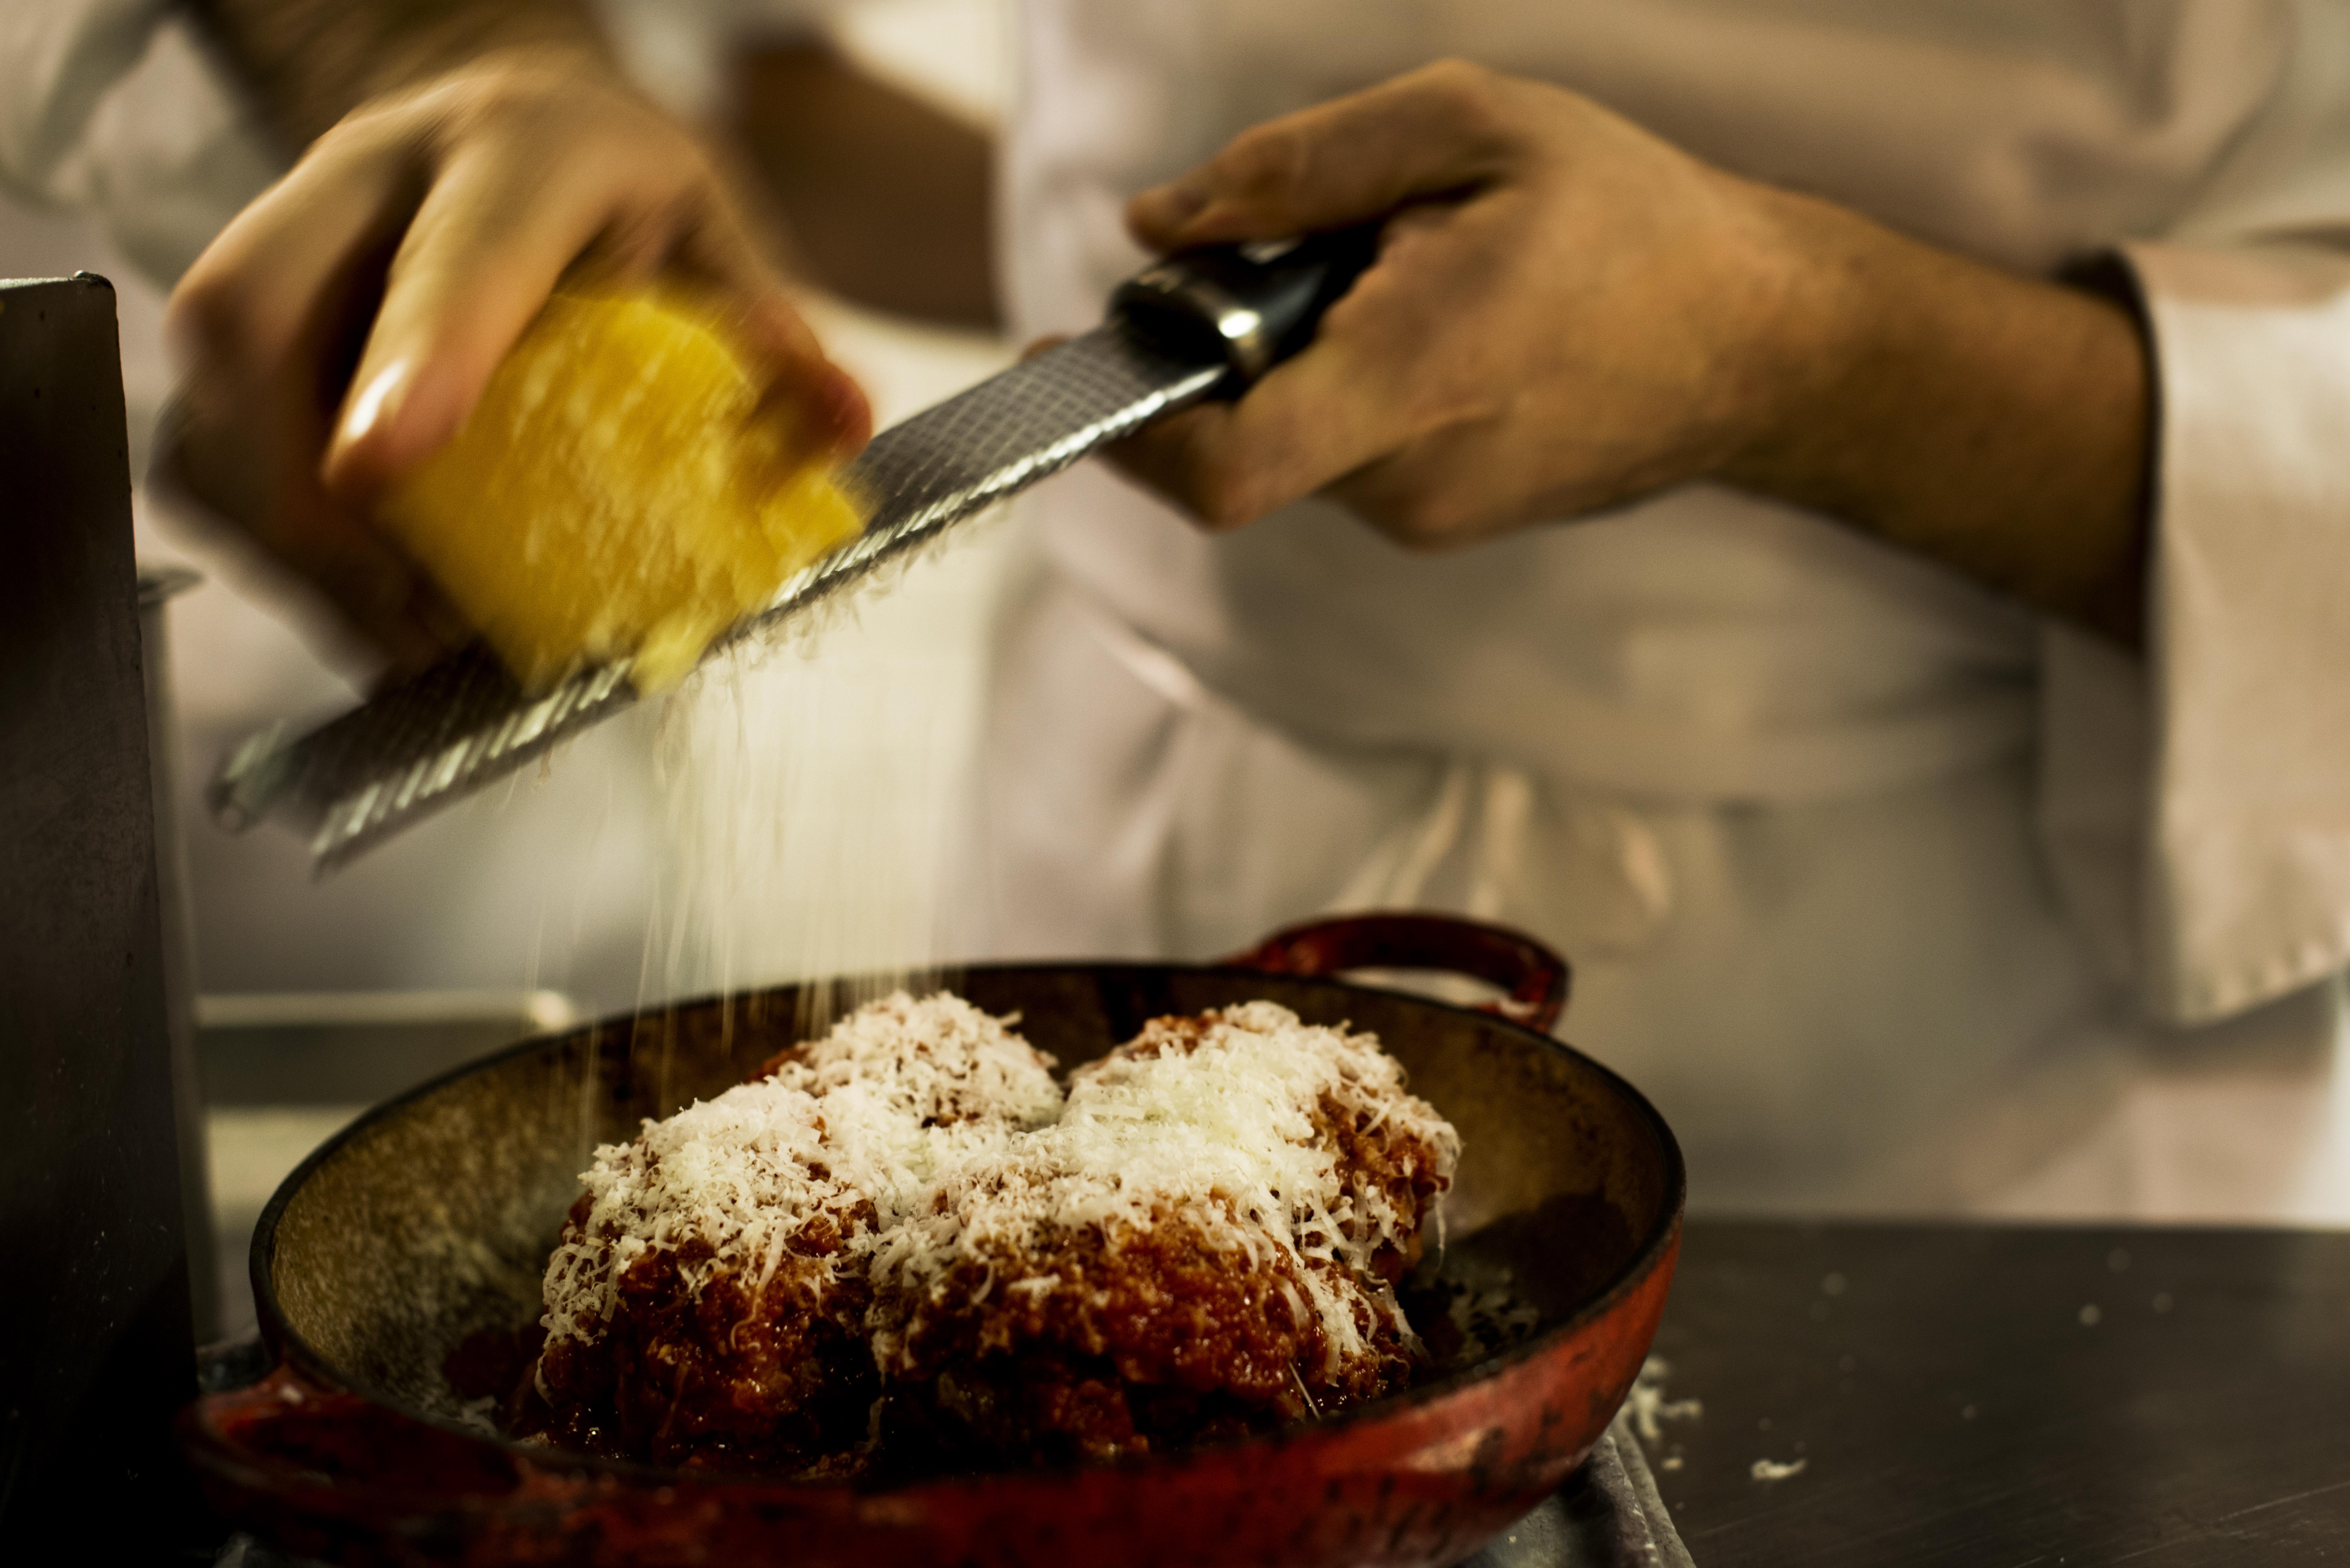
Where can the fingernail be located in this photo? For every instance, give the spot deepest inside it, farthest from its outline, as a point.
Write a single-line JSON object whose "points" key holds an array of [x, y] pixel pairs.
{"points": [[377, 403]]}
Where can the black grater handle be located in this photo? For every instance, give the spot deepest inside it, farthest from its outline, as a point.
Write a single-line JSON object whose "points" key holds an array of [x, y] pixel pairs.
{"points": [[1252, 306]]}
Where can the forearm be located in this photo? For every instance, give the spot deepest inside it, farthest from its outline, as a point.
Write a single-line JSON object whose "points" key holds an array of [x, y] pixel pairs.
{"points": [[311, 62], [1996, 423]]}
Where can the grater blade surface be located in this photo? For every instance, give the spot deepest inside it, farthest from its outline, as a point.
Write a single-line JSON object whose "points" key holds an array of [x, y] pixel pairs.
{"points": [[438, 737]]}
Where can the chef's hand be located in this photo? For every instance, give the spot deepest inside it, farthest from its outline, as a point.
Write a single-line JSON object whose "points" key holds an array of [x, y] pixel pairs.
{"points": [[1567, 313], [344, 325]]}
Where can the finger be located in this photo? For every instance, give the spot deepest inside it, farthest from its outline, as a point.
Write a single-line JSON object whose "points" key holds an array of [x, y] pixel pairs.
{"points": [[396, 608], [248, 466], [376, 589], [1439, 492], [1440, 129], [1165, 457], [1206, 462], [372, 590], [1230, 465], [1354, 396], [734, 249], [257, 326], [263, 293], [829, 414], [495, 232]]}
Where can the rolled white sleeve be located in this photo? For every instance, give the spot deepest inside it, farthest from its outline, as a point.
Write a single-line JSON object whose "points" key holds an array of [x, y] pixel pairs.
{"points": [[2198, 808], [2247, 874]]}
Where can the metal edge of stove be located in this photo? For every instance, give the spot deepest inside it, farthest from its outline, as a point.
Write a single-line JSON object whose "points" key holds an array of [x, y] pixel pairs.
{"points": [[1609, 1515]]}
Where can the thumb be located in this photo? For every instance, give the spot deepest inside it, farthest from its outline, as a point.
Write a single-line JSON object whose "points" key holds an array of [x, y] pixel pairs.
{"points": [[1440, 129]]}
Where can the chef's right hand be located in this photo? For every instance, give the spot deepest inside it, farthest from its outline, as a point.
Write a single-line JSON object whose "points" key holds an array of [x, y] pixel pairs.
{"points": [[1569, 314], [343, 325]]}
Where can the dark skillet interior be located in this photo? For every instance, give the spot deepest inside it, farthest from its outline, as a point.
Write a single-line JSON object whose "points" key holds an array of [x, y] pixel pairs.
{"points": [[431, 1216]]}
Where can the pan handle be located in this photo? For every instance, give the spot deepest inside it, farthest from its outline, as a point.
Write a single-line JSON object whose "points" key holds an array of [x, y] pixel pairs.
{"points": [[290, 1435], [1535, 979], [326, 1474]]}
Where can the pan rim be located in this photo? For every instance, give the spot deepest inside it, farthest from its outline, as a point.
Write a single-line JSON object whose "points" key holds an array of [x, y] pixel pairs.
{"points": [[1652, 1248]]}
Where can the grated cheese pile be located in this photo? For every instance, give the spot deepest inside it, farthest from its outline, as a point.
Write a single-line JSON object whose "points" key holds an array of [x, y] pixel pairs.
{"points": [[1224, 1122], [923, 1145], [842, 1139]]}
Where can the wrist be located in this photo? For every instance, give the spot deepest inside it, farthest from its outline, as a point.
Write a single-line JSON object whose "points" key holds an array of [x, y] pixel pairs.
{"points": [[1996, 422], [1810, 347]]}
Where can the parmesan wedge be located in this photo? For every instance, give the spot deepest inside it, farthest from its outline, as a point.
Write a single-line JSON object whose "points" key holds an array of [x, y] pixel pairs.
{"points": [[611, 495]]}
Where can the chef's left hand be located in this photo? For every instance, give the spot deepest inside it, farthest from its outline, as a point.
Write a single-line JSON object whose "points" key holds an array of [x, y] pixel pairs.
{"points": [[1568, 313]]}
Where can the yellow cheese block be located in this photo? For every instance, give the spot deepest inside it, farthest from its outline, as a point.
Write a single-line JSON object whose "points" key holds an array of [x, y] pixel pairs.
{"points": [[610, 495]]}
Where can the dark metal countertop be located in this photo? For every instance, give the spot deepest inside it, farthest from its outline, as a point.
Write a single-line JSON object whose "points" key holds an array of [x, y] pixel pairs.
{"points": [[2008, 1395]]}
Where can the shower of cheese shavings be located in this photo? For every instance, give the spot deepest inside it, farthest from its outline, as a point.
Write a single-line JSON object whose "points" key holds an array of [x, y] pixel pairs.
{"points": [[1225, 1131], [855, 1133]]}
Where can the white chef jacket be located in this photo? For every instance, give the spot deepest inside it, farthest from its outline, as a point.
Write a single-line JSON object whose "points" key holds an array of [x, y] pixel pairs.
{"points": [[1889, 892]]}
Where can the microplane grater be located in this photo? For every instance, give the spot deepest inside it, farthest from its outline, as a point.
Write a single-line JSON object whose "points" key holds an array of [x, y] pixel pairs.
{"points": [[1185, 328]]}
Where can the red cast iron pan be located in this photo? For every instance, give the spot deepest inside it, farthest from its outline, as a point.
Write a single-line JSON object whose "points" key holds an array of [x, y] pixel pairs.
{"points": [[432, 1218]]}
